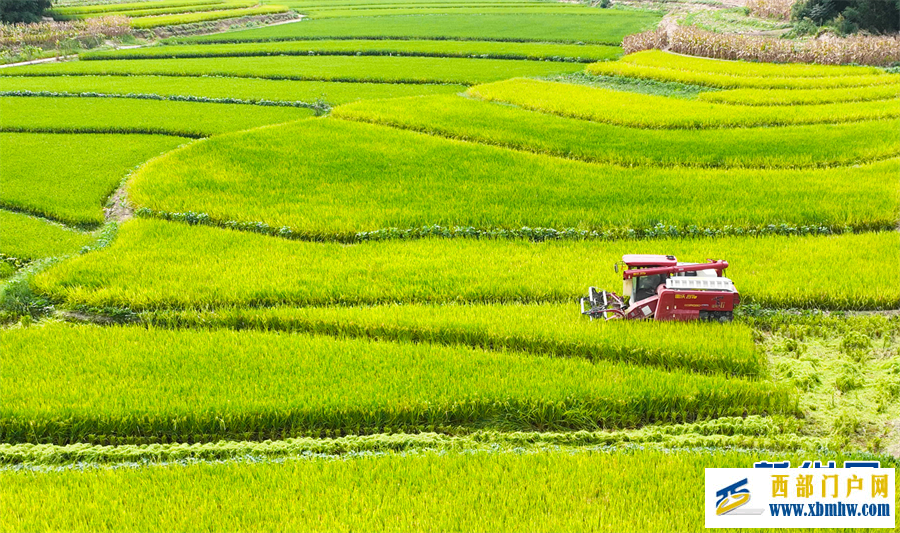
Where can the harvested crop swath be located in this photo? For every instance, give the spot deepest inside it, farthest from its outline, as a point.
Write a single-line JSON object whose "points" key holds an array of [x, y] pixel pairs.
{"points": [[191, 18], [108, 115], [604, 27], [544, 329], [235, 90], [488, 49], [629, 489], [502, 125], [155, 264], [659, 59], [74, 174], [186, 385], [784, 97], [323, 68], [295, 175], [729, 81], [650, 111], [26, 237]]}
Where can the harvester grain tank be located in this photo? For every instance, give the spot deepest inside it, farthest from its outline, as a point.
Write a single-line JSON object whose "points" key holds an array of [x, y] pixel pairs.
{"points": [[658, 287]]}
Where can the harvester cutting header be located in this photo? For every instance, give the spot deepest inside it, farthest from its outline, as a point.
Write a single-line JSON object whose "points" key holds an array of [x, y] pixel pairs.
{"points": [[659, 287]]}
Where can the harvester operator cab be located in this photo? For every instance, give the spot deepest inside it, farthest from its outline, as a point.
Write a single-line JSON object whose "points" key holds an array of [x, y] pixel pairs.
{"points": [[638, 288]]}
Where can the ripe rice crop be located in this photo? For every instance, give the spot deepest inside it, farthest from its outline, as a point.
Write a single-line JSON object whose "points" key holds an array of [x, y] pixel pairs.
{"points": [[148, 10], [782, 97], [651, 111], [246, 90], [450, 9], [75, 173], [625, 489], [658, 59], [106, 115], [26, 237], [202, 386], [206, 16], [542, 329], [501, 125], [158, 264], [472, 49], [729, 81], [108, 8], [322, 68], [604, 27], [292, 176]]}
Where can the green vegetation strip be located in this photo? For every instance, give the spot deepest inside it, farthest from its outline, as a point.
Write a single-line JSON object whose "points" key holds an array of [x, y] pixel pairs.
{"points": [[604, 27], [770, 432], [26, 237], [503, 125], [202, 386], [287, 180], [729, 81], [605, 490], [233, 90], [206, 16], [649, 111], [550, 329], [472, 49], [659, 59], [117, 115], [74, 174], [788, 97], [322, 68], [157, 264]]}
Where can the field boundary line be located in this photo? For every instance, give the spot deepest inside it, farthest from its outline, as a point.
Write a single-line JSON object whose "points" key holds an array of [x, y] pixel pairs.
{"points": [[115, 130]]}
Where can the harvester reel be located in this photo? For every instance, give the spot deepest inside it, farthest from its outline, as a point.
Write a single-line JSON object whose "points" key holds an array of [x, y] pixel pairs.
{"points": [[603, 304]]}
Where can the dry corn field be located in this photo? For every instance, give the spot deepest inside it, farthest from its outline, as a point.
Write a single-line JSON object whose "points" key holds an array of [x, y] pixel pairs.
{"points": [[325, 275]]}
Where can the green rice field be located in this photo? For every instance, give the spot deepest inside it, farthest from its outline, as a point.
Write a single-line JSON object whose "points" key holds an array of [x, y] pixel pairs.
{"points": [[207, 267], [316, 266]]}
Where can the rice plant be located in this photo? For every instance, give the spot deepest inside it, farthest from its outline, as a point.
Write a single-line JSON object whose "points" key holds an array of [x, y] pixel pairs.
{"points": [[234, 90], [289, 178], [202, 386], [604, 27], [649, 111], [204, 16], [314, 68], [107, 115], [658, 59], [624, 489], [428, 48], [75, 173], [542, 329], [731, 81], [27, 238], [158, 264], [502, 125], [785, 97]]}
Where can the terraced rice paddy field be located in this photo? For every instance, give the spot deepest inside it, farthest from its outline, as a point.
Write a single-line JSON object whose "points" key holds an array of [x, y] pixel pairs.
{"points": [[325, 275]]}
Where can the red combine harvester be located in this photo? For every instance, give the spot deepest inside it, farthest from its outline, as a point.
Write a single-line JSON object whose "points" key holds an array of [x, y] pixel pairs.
{"points": [[659, 287]]}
